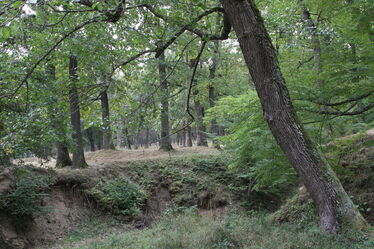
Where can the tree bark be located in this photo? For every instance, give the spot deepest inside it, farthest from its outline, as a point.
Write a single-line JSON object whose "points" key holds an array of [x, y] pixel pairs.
{"points": [[62, 157], [200, 132], [165, 143], [91, 139], [107, 136], [78, 153], [335, 208], [212, 91], [128, 140], [188, 136]]}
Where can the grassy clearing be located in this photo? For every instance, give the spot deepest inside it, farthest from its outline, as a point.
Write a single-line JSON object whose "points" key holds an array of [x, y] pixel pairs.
{"points": [[235, 231]]}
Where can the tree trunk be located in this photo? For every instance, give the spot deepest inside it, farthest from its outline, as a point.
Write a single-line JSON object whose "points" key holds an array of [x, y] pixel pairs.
{"points": [[200, 136], [62, 152], [165, 143], [188, 136], [62, 157], [335, 208], [212, 91], [128, 140], [107, 136], [78, 153], [91, 139], [146, 142]]}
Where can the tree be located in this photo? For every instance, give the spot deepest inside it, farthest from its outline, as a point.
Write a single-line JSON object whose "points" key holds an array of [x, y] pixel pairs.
{"points": [[334, 206], [165, 143], [78, 153]]}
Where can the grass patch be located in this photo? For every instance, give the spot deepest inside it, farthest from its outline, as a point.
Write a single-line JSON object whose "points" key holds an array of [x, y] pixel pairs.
{"points": [[191, 231]]}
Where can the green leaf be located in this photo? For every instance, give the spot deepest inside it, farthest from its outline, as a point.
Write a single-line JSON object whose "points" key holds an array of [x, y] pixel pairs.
{"points": [[5, 33]]}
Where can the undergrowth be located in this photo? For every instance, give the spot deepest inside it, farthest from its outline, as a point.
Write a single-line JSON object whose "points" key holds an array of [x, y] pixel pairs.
{"points": [[25, 196], [235, 231]]}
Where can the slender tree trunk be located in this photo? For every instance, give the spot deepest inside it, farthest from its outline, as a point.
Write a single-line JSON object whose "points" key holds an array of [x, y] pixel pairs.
{"points": [[62, 152], [200, 136], [99, 138], [146, 142], [91, 139], [212, 90], [335, 208], [165, 143], [119, 136], [188, 136], [107, 136], [128, 140], [78, 153]]}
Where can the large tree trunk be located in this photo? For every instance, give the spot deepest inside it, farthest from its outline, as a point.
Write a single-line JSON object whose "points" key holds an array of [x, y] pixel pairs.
{"points": [[78, 153], [91, 138], [62, 157], [107, 136], [335, 208], [165, 143]]}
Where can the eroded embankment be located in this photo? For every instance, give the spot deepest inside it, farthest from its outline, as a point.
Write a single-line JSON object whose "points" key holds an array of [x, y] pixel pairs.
{"points": [[135, 192]]}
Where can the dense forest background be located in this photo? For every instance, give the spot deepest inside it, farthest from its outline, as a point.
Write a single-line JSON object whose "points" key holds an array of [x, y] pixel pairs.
{"points": [[79, 76]]}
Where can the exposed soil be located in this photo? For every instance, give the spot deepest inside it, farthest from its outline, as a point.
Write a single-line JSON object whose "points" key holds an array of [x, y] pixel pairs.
{"points": [[69, 201]]}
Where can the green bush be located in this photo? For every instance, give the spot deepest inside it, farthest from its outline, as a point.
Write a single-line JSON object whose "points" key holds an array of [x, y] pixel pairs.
{"points": [[25, 198], [120, 196]]}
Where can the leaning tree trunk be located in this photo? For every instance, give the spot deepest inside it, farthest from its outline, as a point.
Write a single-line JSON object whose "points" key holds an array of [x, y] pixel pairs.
{"points": [[78, 153], [107, 136], [335, 208], [165, 143]]}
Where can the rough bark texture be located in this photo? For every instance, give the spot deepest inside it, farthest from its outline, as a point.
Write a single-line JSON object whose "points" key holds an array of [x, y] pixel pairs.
{"points": [[107, 136], [335, 208], [78, 153], [62, 157], [165, 143]]}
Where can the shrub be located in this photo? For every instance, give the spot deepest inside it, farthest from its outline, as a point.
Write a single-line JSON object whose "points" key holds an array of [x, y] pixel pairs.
{"points": [[24, 200], [120, 196]]}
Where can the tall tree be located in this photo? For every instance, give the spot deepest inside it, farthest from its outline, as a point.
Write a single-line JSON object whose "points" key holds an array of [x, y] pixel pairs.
{"points": [[165, 143], [334, 206], [107, 136], [79, 160], [62, 152]]}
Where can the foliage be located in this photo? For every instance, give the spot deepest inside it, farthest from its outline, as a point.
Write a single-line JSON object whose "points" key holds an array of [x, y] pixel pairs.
{"points": [[25, 197], [255, 156], [120, 196]]}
